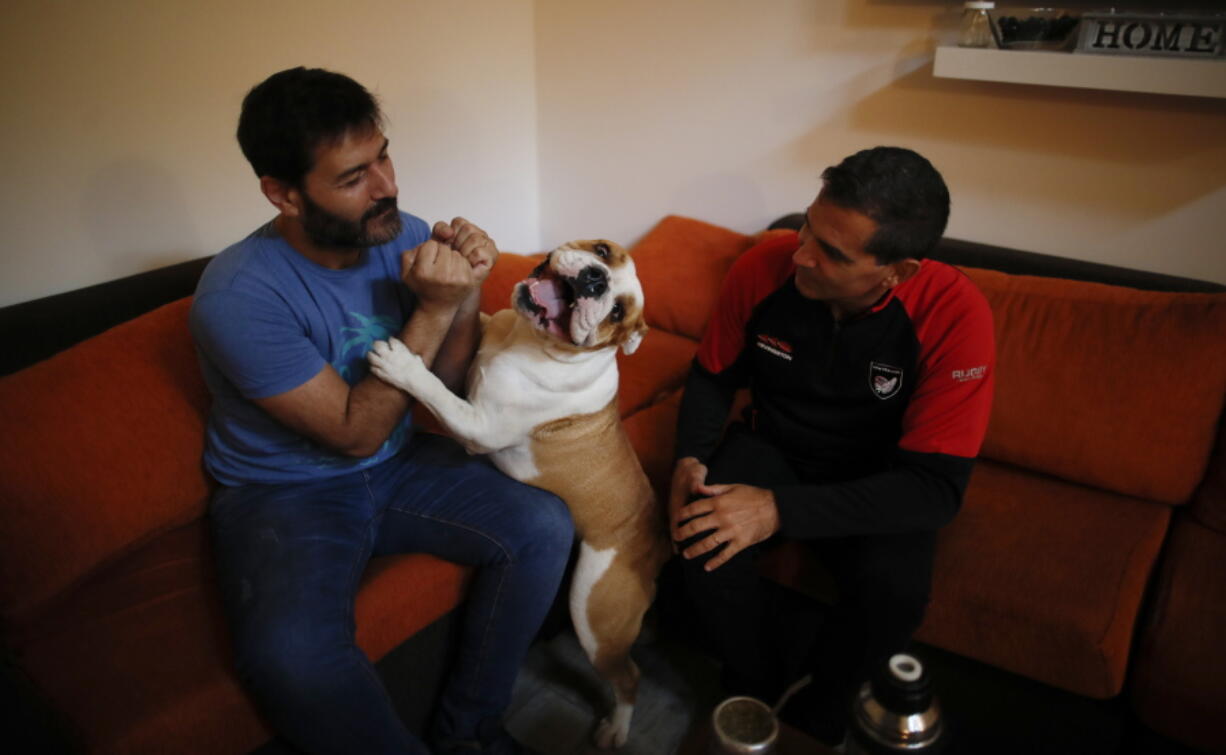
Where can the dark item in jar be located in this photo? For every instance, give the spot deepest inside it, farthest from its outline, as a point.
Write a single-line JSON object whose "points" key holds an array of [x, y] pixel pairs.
{"points": [[1034, 29]]}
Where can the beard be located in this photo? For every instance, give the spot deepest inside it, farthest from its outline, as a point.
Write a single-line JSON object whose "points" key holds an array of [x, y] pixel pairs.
{"points": [[378, 225]]}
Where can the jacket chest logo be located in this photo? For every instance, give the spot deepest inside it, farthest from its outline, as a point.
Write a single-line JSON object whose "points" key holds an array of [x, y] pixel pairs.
{"points": [[884, 379], [776, 346]]}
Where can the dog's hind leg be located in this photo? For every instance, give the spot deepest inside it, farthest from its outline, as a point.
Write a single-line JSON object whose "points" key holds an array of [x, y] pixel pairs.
{"points": [[623, 674], [607, 603]]}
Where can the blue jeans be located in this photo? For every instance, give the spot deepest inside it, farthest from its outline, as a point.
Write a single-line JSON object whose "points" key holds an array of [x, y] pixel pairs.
{"points": [[290, 558]]}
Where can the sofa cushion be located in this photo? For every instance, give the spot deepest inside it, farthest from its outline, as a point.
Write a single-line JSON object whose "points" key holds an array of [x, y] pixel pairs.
{"points": [[138, 659], [657, 368], [1044, 578], [1113, 387], [653, 432], [107, 454], [681, 263]]}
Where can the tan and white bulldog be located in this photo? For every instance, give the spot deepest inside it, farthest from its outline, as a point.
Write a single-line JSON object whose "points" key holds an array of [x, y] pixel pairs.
{"points": [[542, 402]]}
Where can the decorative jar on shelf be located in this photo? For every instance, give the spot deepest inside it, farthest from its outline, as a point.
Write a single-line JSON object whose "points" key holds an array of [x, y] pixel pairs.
{"points": [[976, 27]]}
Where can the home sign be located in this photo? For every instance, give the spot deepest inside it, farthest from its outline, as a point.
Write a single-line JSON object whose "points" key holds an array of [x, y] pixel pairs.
{"points": [[1146, 34]]}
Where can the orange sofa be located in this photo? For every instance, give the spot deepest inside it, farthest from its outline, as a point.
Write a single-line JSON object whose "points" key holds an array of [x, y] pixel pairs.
{"points": [[1109, 400]]}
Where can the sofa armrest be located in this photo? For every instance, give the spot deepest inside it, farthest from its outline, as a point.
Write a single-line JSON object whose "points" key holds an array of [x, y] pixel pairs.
{"points": [[1209, 504], [1179, 673]]}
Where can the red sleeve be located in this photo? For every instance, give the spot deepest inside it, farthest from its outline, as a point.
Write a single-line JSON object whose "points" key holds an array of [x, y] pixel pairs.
{"points": [[949, 410], [754, 275]]}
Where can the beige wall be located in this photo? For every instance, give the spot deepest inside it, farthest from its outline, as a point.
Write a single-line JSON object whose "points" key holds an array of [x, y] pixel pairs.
{"points": [[728, 110], [553, 119], [119, 115]]}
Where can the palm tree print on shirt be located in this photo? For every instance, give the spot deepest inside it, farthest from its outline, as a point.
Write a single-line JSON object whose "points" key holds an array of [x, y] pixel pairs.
{"points": [[350, 364]]}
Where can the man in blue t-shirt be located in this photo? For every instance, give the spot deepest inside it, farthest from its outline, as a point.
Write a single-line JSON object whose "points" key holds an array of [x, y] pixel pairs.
{"points": [[318, 462]]}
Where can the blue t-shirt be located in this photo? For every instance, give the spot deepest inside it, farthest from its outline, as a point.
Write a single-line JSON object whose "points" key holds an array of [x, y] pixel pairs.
{"points": [[266, 320]]}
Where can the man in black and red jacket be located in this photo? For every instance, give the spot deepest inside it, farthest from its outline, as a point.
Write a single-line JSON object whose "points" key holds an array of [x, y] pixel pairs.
{"points": [[870, 372]]}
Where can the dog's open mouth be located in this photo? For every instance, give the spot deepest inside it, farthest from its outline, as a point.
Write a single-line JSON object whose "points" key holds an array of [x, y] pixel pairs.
{"points": [[550, 299]]}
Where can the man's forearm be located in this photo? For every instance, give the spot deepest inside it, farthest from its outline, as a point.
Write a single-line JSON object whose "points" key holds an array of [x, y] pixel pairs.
{"points": [[426, 332], [704, 410], [374, 408], [921, 492], [459, 345]]}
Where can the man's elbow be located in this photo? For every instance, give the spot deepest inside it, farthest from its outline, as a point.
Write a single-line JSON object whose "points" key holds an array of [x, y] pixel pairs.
{"points": [[947, 512], [361, 451], [948, 501], [356, 446]]}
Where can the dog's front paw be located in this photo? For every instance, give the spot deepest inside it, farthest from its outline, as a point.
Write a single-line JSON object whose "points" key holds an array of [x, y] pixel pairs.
{"points": [[393, 363]]}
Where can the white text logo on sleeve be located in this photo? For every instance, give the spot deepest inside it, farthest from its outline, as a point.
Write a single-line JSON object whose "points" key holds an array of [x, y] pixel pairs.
{"points": [[974, 373]]}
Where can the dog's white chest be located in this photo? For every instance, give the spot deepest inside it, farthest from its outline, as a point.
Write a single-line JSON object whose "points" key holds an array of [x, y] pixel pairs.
{"points": [[517, 462], [526, 386]]}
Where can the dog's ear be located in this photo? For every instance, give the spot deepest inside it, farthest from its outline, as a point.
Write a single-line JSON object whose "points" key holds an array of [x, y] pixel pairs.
{"points": [[631, 344]]}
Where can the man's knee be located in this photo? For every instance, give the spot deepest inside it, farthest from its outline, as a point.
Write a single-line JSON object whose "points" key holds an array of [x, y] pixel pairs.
{"points": [[543, 524], [731, 581], [289, 663], [552, 521]]}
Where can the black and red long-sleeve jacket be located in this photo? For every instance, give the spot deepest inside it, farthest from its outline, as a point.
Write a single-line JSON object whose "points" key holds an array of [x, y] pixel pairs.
{"points": [[881, 415]]}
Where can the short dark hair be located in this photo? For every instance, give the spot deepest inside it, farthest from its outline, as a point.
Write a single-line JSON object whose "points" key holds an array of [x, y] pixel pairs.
{"points": [[291, 113], [900, 191]]}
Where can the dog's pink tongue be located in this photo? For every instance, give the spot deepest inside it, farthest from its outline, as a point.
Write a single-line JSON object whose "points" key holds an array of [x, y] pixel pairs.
{"points": [[548, 294]]}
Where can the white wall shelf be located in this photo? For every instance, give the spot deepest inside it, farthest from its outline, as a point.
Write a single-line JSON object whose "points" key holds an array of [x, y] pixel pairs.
{"points": [[1183, 76]]}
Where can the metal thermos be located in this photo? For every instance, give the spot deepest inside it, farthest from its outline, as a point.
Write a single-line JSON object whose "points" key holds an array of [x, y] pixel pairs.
{"points": [[896, 712]]}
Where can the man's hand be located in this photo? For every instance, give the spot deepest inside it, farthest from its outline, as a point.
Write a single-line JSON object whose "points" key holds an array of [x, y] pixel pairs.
{"points": [[446, 273], [471, 242], [740, 515], [440, 276]]}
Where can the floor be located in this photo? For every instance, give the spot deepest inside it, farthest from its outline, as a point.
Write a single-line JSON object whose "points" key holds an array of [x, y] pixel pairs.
{"points": [[558, 700]]}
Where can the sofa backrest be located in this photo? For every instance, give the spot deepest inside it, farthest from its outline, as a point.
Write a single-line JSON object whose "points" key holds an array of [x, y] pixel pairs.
{"points": [[34, 330], [1108, 386], [100, 451]]}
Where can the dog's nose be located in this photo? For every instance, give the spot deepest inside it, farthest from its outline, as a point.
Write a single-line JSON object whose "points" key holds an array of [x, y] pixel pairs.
{"points": [[592, 281]]}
